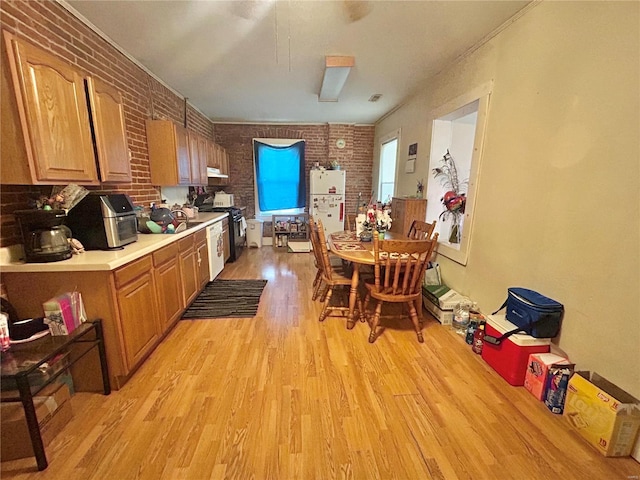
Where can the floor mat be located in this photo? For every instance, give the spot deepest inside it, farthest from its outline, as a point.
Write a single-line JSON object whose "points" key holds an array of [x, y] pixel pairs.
{"points": [[227, 299]]}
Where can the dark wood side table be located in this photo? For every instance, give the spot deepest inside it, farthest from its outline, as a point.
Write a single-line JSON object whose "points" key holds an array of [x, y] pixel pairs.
{"points": [[20, 362]]}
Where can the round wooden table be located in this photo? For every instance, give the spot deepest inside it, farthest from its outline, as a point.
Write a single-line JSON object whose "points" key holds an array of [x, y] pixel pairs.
{"points": [[347, 246]]}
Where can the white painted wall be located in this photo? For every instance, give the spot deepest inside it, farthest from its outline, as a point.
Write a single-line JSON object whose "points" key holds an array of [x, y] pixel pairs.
{"points": [[558, 201]]}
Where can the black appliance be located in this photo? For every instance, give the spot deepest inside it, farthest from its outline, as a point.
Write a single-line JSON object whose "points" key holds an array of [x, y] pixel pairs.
{"points": [[237, 234], [44, 236], [104, 221]]}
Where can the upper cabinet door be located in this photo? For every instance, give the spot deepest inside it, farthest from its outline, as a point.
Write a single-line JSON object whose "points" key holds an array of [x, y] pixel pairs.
{"points": [[107, 113], [196, 159], [54, 117], [169, 156], [184, 161]]}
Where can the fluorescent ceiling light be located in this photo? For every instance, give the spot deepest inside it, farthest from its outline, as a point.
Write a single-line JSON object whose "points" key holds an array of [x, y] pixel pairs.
{"points": [[335, 75]]}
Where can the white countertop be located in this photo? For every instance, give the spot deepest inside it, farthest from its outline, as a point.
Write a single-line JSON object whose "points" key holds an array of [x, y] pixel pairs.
{"points": [[93, 260]]}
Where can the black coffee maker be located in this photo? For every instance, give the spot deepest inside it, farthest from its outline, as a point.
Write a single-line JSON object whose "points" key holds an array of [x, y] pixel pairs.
{"points": [[44, 235]]}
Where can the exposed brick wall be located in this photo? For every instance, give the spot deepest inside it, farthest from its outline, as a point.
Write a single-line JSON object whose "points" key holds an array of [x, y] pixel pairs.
{"points": [[356, 158], [51, 27], [48, 25]]}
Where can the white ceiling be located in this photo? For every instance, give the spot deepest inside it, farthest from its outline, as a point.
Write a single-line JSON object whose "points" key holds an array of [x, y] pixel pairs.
{"points": [[262, 61]]}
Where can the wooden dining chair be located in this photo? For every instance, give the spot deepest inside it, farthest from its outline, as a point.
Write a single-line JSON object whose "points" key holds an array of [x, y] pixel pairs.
{"points": [[335, 278], [420, 230], [319, 288], [398, 272], [351, 223]]}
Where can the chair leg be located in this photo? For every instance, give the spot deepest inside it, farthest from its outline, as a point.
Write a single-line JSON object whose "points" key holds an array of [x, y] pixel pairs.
{"points": [[325, 306], [317, 286], [375, 322], [416, 322]]}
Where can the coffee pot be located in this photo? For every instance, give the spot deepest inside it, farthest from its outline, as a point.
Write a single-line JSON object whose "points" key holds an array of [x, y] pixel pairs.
{"points": [[44, 235]]}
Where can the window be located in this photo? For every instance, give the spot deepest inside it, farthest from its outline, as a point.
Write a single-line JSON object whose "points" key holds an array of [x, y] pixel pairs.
{"points": [[387, 173], [279, 176], [457, 134]]}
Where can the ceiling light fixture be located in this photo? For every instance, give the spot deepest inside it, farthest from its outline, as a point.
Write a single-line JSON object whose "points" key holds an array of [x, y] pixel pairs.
{"points": [[335, 75], [375, 97]]}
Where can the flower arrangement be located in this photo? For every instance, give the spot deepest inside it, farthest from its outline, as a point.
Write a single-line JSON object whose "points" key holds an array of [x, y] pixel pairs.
{"points": [[454, 200], [377, 219]]}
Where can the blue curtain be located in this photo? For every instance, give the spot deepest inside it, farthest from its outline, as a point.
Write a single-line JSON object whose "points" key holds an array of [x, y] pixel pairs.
{"points": [[280, 176]]}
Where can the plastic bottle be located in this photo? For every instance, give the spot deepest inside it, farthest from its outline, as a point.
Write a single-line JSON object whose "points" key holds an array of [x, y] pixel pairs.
{"points": [[473, 325], [478, 339], [460, 320]]}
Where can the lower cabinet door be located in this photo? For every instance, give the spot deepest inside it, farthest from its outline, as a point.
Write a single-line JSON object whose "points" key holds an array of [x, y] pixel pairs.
{"points": [[138, 307], [189, 275], [169, 293]]}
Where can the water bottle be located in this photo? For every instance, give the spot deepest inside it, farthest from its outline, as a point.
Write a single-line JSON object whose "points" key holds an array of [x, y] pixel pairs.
{"points": [[460, 320]]}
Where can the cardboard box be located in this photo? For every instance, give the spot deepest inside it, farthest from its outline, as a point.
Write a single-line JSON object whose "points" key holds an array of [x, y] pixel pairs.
{"points": [[445, 317], [442, 296], [510, 358], [53, 410], [538, 365], [604, 414]]}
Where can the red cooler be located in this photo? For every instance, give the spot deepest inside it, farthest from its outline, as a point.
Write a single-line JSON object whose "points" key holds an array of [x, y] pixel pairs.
{"points": [[510, 358]]}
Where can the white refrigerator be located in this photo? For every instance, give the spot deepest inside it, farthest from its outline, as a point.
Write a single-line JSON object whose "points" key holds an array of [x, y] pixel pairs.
{"points": [[327, 198]]}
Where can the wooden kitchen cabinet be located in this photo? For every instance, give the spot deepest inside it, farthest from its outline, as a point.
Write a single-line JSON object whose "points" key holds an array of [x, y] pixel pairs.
{"points": [[198, 159], [110, 135], [188, 269], [169, 158], [202, 258], [46, 117], [138, 308], [168, 285], [138, 302], [404, 211]]}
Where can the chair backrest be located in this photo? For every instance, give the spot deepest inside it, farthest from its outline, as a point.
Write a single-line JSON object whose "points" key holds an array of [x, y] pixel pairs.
{"points": [[421, 230], [400, 265], [313, 235], [351, 223], [327, 269]]}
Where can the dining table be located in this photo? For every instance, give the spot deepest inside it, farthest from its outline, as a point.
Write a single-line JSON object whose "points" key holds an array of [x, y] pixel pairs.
{"points": [[348, 246]]}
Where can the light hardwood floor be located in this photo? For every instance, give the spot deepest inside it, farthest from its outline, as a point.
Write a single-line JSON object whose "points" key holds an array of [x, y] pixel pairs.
{"points": [[282, 396]]}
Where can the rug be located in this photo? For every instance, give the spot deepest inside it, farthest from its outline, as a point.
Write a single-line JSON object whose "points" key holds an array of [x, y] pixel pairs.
{"points": [[227, 299]]}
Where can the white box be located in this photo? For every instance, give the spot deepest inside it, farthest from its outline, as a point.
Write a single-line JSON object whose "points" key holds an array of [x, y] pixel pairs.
{"points": [[445, 317]]}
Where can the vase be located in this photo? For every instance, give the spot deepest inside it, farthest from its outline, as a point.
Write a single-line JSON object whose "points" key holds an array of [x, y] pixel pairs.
{"points": [[381, 232], [454, 232]]}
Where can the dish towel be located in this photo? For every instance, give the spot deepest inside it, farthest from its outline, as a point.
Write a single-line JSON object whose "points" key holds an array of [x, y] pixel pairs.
{"points": [[243, 227]]}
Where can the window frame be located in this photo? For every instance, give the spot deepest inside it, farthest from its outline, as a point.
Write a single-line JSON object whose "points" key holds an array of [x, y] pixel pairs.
{"points": [[389, 137], [277, 142], [482, 94]]}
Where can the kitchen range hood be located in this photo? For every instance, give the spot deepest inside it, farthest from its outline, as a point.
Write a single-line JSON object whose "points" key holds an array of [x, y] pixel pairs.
{"points": [[215, 173]]}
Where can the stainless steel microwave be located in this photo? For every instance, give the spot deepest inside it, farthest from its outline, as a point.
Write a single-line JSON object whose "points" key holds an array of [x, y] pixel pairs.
{"points": [[103, 221]]}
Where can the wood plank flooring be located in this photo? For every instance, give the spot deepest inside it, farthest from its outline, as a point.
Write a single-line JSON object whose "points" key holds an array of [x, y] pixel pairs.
{"points": [[283, 396]]}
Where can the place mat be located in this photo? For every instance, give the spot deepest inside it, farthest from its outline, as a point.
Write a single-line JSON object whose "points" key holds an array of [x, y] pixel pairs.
{"points": [[348, 246], [344, 237]]}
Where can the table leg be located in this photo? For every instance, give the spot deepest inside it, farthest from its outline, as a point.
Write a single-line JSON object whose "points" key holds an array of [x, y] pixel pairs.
{"points": [[32, 422], [106, 383], [353, 296]]}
